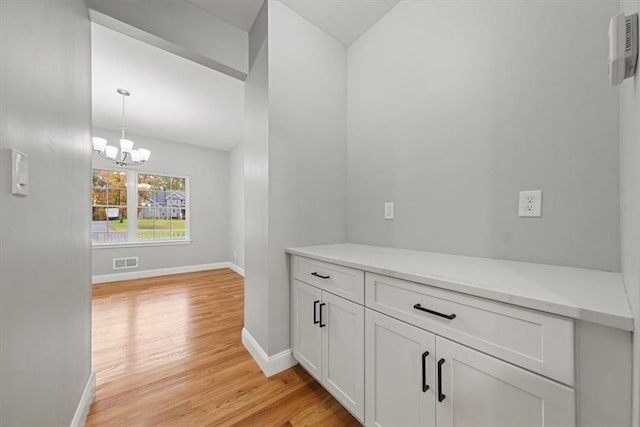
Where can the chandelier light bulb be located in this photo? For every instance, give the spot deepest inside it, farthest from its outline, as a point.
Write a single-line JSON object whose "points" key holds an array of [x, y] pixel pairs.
{"points": [[111, 151], [135, 156], [99, 143], [126, 145], [144, 154]]}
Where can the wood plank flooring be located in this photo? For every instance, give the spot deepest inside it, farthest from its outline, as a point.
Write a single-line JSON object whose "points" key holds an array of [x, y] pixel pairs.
{"points": [[167, 351]]}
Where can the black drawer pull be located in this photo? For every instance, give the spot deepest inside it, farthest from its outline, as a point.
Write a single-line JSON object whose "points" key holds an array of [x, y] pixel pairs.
{"points": [[322, 325], [425, 386], [440, 395], [446, 316], [320, 275], [315, 310]]}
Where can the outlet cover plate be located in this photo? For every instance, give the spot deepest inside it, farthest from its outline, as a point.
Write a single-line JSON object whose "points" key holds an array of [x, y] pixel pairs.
{"points": [[530, 203]]}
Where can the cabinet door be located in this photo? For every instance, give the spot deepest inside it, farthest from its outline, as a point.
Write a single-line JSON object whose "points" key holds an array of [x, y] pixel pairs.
{"points": [[306, 332], [343, 352], [400, 372], [479, 390]]}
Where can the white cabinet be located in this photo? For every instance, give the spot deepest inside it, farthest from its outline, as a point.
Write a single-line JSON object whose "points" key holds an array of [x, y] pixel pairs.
{"points": [[416, 378], [400, 372], [306, 334], [451, 342], [478, 390], [328, 341], [343, 352]]}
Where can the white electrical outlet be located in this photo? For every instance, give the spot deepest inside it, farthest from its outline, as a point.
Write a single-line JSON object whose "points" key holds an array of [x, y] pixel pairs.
{"points": [[388, 210], [530, 203]]}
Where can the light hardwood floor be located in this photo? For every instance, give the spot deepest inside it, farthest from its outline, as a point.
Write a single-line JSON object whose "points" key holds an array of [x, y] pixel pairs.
{"points": [[167, 350]]}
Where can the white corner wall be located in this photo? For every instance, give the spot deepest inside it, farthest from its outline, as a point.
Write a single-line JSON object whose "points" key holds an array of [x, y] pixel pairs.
{"points": [[256, 175], [208, 172], [295, 160], [45, 238], [454, 107], [307, 150], [630, 206], [236, 206]]}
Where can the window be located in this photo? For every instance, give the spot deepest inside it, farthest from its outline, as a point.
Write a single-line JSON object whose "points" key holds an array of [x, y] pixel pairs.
{"points": [[162, 207], [160, 203], [109, 206]]}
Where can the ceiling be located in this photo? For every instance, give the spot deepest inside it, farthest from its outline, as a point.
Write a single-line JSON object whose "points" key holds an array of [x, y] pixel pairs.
{"points": [[172, 98], [346, 20], [240, 13]]}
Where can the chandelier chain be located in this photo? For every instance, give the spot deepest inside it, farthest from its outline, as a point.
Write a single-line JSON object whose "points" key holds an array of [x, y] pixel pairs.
{"points": [[123, 117]]}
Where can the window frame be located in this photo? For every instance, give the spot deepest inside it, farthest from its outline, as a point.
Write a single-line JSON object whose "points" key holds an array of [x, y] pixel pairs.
{"points": [[132, 206]]}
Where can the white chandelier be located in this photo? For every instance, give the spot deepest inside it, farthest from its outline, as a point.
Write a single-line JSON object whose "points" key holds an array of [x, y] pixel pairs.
{"points": [[128, 156]]}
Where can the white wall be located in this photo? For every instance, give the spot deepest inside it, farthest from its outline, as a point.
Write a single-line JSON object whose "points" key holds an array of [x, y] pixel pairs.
{"points": [[307, 150], [295, 150], [454, 107], [630, 205], [236, 206], [45, 238], [256, 175], [208, 172]]}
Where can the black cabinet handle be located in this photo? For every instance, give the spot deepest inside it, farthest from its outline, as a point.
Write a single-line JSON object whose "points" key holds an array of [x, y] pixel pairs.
{"points": [[315, 310], [320, 275], [425, 386], [440, 395], [446, 316], [322, 325]]}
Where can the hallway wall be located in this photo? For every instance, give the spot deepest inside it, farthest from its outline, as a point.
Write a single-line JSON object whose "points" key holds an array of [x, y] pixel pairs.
{"points": [[450, 119], [236, 206], [630, 205], [45, 237]]}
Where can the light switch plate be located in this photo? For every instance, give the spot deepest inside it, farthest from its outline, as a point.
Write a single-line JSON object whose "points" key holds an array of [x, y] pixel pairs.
{"points": [[19, 173], [388, 210], [530, 203]]}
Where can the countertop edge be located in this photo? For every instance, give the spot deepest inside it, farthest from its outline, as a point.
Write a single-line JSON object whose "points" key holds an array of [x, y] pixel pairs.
{"points": [[553, 307]]}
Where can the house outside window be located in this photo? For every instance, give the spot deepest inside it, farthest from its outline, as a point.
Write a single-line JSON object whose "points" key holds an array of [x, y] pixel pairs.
{"points": [[160, 203]]}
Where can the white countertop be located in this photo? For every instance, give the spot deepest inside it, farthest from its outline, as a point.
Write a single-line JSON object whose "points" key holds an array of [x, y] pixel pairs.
{"points": [[591, 295]]}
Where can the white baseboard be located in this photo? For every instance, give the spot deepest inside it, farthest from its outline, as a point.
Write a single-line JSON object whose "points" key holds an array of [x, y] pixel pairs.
{"points": [[237, 269], [88, 394], [141, 274], [270, 365]]}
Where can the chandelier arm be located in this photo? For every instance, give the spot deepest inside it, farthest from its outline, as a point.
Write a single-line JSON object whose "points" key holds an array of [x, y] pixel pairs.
{"points": [[123, 161], [101, 154]]}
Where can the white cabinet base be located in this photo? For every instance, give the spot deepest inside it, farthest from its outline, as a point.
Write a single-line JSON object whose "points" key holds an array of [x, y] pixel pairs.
{"points": [[479, 390], [306, 334], [399, 392], [343, 352], [327, 337]]}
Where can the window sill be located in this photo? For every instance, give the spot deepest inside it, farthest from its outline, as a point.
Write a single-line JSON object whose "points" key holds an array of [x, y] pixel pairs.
{"points": [[141, 244]]}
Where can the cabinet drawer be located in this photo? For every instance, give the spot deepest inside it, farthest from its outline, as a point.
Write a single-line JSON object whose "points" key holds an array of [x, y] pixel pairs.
{"points": [[342, 281], [537, 341]]}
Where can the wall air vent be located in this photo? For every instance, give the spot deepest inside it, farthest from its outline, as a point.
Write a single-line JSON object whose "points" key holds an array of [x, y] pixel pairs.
{"points": [[120, 263]]}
